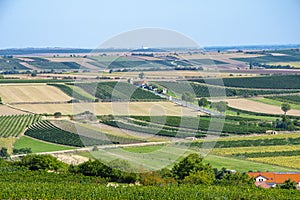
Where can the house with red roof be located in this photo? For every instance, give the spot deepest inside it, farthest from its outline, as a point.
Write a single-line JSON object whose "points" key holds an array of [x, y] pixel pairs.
{"points": [[271, 179]]}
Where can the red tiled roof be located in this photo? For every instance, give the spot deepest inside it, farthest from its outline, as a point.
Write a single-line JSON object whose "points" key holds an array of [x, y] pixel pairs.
{"points": [[275, 177]]}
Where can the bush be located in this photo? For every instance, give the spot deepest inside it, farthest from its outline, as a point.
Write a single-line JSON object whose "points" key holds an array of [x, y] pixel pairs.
{"points": [[42, 162]]}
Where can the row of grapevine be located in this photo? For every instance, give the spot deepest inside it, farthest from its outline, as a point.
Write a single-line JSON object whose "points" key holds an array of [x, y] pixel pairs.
{"points": [[250, 143], [118, 91], [289, 99], [232, 124], [14, 125], [269, 82], [60, 186], [46, 131], [201, 90]]}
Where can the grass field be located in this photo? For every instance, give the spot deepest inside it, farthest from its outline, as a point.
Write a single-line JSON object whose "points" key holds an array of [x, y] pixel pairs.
{"points": [[254, 106], [38, 146], [274, 102], [116, 108], [31, 93], [154, 156]]}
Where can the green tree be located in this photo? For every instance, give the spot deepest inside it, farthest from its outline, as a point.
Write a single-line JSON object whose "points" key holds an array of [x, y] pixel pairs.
{"points": [[95, 168], [57, 114], [42, 162], [0, 100], [200, 177], [219, 106], [4, 153], [241, 179], [141, 75], [190, 164], [203, 102], [187, 97], [289, 185], [285, 107]]}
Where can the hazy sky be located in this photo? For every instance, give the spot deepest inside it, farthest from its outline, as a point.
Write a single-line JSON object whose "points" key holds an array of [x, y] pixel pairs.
{"points": [[88, 23]]}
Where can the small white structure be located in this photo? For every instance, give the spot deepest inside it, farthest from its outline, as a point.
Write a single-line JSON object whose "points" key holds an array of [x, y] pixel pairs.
{"points": [[164, 91], [271, 132]]}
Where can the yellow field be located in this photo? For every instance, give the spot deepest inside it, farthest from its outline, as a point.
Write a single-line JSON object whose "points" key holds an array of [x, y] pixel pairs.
{"points": [[7, 143], [253, 106], [115, 108], [286, 161], [5, 110], [13, 93], [241, 150]]}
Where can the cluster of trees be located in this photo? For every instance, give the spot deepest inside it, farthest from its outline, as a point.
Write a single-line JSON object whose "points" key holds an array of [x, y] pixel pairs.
{"points": [[189, 170], [219, 106]]}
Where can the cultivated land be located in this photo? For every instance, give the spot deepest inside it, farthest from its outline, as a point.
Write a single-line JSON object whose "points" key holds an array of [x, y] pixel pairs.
{"points": [[6, 110], [38, 146], [243, 146], [20, 93], [106, 108], [254, 106]]}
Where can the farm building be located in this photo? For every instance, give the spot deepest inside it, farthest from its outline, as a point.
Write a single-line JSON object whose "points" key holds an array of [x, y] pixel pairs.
{"points": [[271, 179]]}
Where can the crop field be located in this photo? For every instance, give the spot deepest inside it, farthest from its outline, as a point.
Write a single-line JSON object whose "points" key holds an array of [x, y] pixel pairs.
{"points": [[7, 64], [96, 131], [107, 108], [253, 106], [6, 110], [285, 161], [118, 91], [292, 64], [262, 149], [31, 93], [73, 91], [275, 102], [164, 154], [38, 146], [183, 125], [205, 90], [13, 126], [268, 82], [46, 131]]}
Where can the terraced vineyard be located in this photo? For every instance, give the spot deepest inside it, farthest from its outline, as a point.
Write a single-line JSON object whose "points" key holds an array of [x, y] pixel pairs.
{"points": [[14, 125], [118, 91]]}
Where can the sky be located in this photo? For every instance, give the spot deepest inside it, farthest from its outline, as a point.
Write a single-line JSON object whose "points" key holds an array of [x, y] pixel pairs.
{"points": [[89, 23]]}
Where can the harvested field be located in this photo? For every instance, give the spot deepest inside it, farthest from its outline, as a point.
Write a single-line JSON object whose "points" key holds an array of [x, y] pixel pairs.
{"points": [[31, 93], [253, 106], [5, 110], [115, 108]]}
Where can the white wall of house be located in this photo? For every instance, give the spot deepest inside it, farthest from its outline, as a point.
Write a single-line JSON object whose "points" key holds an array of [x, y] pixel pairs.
{"points": [[260, 179]]}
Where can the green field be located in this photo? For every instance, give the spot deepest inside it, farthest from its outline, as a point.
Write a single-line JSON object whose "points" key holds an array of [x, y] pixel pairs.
{"points": [[137, 155], [274, 102], [38, 146]]}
